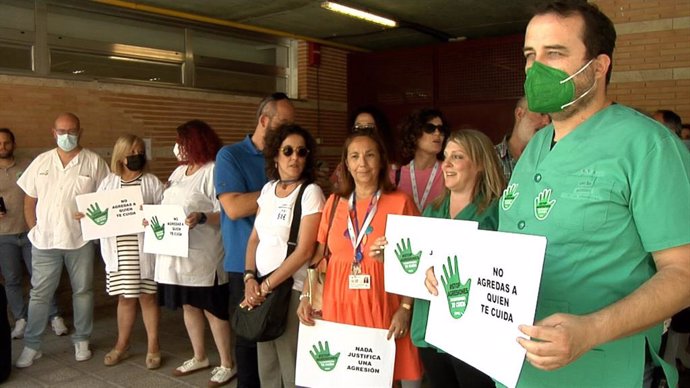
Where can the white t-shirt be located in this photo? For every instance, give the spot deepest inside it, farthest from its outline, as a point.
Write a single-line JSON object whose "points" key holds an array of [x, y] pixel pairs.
{"points": [[273, 226], [56, 187], [205, 261]]}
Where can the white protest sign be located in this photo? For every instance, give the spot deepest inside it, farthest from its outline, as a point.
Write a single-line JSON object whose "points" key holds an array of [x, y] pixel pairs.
{"points": [[111, 213], [166, 234], [336, 355], [487, 287], [411, 250]]}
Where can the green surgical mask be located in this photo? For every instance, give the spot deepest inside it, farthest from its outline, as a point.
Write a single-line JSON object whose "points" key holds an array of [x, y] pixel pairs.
{"points": [[551, 90]]}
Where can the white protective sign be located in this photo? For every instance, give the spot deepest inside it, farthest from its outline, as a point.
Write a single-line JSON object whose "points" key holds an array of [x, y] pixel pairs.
{"points": [[487, 287], [111, 213], [166, 233], [335, 355], [411, 250]]}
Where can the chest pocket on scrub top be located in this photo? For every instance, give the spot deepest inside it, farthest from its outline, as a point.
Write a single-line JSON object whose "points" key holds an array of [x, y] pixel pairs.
{"points": [[583, 202]]}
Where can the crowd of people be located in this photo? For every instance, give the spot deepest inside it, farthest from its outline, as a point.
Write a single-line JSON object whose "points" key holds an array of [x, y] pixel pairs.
{"points": [[589, 174]]}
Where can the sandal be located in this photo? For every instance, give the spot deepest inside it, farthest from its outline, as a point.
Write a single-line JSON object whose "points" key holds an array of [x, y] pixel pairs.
{"points": [[153, 360], [114, 357]]}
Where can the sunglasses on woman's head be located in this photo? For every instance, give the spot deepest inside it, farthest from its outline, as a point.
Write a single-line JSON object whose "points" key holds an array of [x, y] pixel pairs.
{"points": [[302, 152], [364, 128], [431, 128]]}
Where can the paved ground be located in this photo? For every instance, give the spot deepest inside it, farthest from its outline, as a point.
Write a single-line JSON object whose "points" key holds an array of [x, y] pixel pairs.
{"points": [[57, 367]]}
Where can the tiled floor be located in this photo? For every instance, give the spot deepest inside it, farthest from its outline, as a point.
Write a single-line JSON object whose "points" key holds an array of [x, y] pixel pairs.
{"points": [[57, 367]]}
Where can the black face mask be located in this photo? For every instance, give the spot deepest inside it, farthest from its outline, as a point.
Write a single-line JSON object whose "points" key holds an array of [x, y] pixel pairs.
{"points": [[136, 162]]}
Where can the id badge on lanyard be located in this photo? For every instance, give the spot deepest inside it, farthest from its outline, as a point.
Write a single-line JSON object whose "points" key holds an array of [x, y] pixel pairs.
{"points": [[357, 280]]}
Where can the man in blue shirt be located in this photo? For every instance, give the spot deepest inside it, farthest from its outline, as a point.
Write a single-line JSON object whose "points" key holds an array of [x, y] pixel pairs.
{"points": [[239, 176]]}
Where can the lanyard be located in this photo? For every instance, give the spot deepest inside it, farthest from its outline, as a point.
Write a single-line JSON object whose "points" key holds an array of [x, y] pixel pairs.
{"points": [[357, 234], [427, 189]]}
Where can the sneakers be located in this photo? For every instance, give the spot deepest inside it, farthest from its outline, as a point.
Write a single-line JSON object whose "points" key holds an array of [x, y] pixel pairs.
{"points": [[58, 325], [221, 376], [81, 351], [26, 359], [19, 327], [190, 366]]}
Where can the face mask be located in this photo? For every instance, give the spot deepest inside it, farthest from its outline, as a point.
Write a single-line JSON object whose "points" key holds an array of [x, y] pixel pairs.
{"points": [[176, 152], [67, 142], [136, 162], [551, 90]]}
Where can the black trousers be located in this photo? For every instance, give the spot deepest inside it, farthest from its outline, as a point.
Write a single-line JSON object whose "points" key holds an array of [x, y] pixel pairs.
{"points": [[446, 371], [5, 341], [245, 351]]}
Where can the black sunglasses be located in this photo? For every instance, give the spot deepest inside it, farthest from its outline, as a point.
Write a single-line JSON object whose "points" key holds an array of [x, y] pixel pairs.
{"points": [[301, 151], [364, 128], [431, 128]]}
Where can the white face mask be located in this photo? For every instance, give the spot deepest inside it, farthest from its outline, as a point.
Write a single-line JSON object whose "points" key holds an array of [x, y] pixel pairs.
{"points": [[67, 142], [176, 152]]}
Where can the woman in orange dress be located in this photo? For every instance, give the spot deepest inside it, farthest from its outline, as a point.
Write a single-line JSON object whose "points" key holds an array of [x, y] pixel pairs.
{"points": [[363, 203]]}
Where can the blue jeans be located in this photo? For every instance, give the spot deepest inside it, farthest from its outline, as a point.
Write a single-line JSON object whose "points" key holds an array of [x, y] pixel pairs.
{"points": [[47, 268], [15, 248]]}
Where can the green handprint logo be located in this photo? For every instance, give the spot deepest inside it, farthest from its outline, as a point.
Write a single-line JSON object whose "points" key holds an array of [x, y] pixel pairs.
{"points": [[457, 293], [510, 194], [408, 260], [543, 204], [323, 357], [158, 229], [98, 216]]}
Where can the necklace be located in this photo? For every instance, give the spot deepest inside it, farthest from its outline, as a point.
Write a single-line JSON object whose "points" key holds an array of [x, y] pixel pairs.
{"points": [[284, 183]]}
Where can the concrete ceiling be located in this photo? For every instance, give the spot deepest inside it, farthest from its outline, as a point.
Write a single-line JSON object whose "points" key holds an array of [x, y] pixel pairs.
{"points": [[422, 21]]}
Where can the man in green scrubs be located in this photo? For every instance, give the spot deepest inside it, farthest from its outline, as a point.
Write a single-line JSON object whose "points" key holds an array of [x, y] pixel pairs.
{"points": [[610, 189]]}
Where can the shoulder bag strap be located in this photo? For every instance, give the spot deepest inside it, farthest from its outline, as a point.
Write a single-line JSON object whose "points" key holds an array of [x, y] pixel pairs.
{"points": [[296, 218]]}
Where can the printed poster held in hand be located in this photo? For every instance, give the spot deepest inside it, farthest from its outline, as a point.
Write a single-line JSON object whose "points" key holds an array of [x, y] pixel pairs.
{"points": [[334, 355], [111, 213], [166, 232]]}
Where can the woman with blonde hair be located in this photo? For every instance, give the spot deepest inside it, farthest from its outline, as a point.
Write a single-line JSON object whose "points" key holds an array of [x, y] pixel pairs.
{"points": [[474, 182], [130, 271]]}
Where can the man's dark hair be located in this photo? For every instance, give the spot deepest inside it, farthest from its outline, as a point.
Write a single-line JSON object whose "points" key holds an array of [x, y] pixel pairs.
{"points": [[671, 120], [268, 106], [8, 132], [599, 35]]}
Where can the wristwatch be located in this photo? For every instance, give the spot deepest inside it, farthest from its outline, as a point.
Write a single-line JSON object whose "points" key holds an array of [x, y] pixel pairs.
{"points": [[202, 219]]}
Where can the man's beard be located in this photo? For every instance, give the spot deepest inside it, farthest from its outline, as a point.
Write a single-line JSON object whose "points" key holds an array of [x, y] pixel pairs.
{"points": [[583, 82], [6, 155]]}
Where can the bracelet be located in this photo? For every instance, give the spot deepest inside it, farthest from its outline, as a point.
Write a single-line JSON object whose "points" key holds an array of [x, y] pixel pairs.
{"points": [[406, 306], [248, 276], [202, 219], [268, 284], [304, 296]]}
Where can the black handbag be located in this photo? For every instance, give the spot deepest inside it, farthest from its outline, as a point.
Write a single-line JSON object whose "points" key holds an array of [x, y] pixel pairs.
{"points": [[267, 321]]}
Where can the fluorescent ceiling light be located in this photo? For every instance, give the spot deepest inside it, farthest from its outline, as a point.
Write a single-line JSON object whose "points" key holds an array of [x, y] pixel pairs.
{"points": [[355, 13]]}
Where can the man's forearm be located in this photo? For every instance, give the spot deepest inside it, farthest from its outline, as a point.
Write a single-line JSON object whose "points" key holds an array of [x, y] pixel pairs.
{"points": [[239, 205], [30, 211], [666, 293]]}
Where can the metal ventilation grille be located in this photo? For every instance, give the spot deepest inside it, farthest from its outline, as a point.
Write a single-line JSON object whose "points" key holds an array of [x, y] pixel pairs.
{"points": [[478, 71]]}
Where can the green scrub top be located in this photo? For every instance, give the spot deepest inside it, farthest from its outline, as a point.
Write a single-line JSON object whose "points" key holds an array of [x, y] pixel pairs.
{"points": [[488, 220], [607, 195]]}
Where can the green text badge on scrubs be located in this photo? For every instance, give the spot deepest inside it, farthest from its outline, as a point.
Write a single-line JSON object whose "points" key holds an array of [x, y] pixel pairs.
{"points": [[98, 216], [458, 294], [408, 260], [323, 357], [158, 229]]}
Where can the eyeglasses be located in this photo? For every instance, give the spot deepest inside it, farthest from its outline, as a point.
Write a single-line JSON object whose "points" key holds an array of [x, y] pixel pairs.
{"points": [[73, 132], [431, 128], [302, 152]]}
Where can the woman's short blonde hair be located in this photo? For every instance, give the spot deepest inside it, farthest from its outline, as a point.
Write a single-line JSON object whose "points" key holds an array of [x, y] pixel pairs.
{"points": [[123, 145], [490, 181]]}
